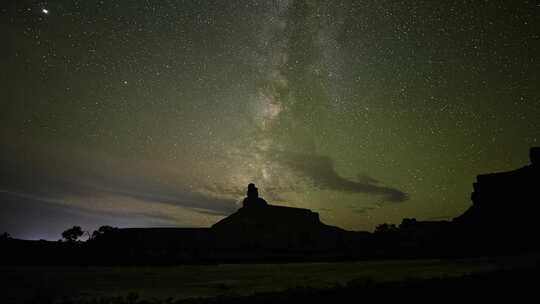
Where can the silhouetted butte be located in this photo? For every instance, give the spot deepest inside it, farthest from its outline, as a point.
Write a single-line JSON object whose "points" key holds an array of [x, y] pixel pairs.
{"points": [[506, 205], [261, 226]]}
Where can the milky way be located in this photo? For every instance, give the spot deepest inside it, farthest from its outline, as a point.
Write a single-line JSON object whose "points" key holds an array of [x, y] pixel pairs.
{"points": [[159, 113]]}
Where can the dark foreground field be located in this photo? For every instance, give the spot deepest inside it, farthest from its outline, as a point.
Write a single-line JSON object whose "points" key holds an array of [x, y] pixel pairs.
{"points": [[482, 278]]}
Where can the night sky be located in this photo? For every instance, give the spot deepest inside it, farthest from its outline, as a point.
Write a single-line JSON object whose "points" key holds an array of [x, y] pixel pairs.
{"points": [[159, 113]]}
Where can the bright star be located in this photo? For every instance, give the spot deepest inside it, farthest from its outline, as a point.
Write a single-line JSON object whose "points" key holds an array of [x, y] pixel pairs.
{"points": [[45, 11]]}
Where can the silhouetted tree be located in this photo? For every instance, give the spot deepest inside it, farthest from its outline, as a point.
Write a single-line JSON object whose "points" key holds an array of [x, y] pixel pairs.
{"points": [[387, 237], [5, 236], [72, 234], [102, 231], [407, 223], [386, 228]]}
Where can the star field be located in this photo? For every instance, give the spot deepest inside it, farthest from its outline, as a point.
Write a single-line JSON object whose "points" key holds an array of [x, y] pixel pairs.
{"points": [[159, 113]]}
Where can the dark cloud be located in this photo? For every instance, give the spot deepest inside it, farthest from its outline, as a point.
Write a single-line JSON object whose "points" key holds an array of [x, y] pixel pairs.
{"points": [[362, 210], [321, 171], [56, 177], [193, 200]]}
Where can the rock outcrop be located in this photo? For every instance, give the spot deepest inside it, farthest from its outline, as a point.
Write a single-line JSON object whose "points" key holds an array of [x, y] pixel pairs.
{"points": [[253, 200], [506, 197], [505, 209], [261, 226]]}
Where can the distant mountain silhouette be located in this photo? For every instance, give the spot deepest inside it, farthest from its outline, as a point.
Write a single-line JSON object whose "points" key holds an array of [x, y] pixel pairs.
{"points": [[502, 219], [258, 231]]}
